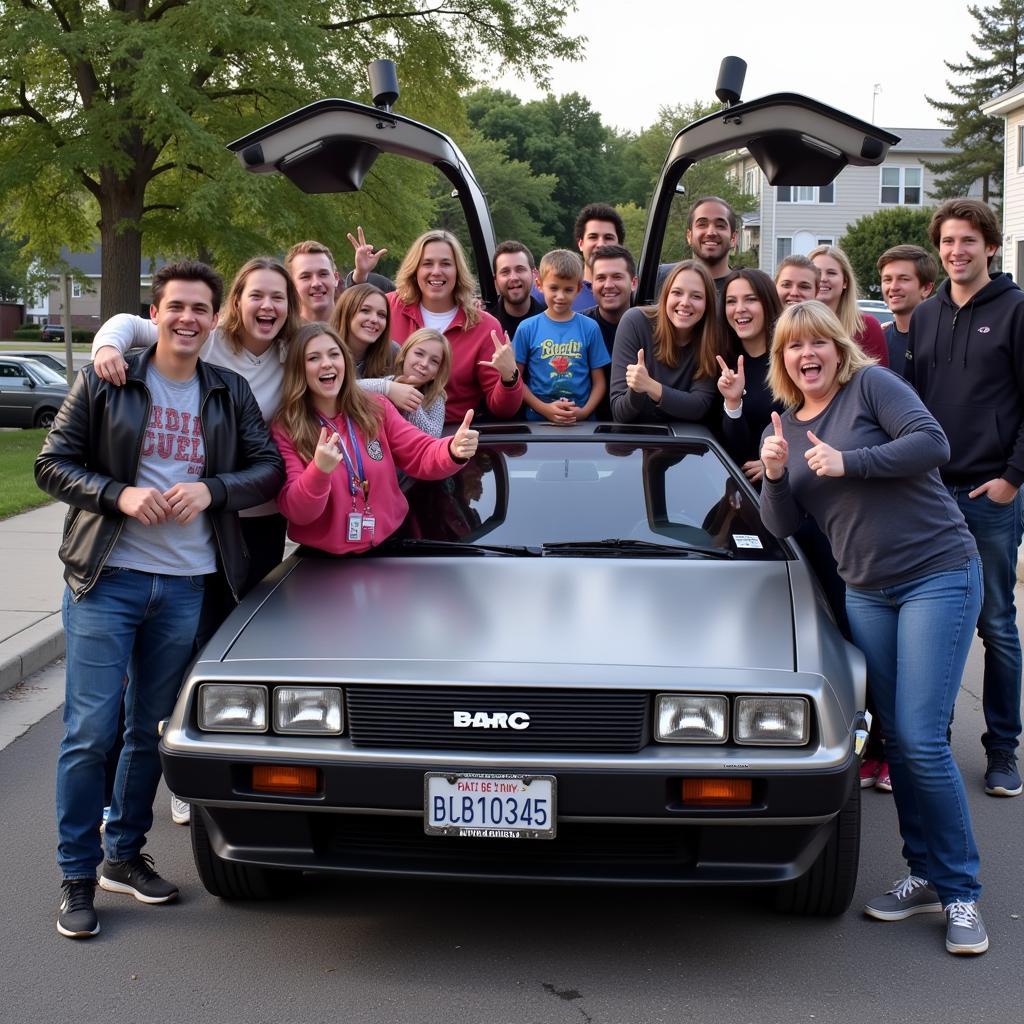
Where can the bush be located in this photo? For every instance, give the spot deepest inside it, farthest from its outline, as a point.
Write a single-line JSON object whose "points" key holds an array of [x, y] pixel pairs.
{"points": [[27, 332], [81, 336]]}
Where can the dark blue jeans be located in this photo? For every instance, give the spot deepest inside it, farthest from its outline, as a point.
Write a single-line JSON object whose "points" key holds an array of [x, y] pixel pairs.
{"points": [[915, 637], [997, 532], [133, 623]]}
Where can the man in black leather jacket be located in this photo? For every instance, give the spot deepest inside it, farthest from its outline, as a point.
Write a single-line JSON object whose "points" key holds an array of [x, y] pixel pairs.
{"points": [[154, 472]]}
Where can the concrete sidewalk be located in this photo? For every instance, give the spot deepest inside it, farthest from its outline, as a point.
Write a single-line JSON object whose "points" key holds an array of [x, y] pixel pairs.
{"points": [[31, 634]]}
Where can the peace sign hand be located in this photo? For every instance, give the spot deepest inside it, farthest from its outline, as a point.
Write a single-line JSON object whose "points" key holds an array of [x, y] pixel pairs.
{"points": [[823, 459], [328, 451], [365, 256], [732, 383], [504, 358], [775, 450], [464, 442]]}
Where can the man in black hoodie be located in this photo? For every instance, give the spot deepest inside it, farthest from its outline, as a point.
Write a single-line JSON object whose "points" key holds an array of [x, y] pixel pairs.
{"points": [[965, 356]]}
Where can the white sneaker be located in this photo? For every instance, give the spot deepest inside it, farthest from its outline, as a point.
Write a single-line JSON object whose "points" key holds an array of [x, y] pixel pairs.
{"points": [[180, 811]]}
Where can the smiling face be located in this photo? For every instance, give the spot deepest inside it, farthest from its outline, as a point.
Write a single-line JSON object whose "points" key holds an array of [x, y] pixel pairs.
{"points": [[184, 319], [710, 236], [316, 281], [422, 362], [436, 277], [833, 281], [686, 301], [796, 285], [513, 277], [744, 312], [902, 289], [325, 371], [595, 233], [613, 286], [263, 306], [964, 255], [813, 366], [367, 323]]}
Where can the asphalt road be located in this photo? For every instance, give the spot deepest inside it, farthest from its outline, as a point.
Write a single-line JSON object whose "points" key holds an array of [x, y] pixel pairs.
{"points": [[378, 951]]}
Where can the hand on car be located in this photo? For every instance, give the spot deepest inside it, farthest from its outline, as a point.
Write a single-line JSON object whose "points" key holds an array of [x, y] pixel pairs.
{"points": [[754, 470], [775, 450], [464, 442], [732, 383], [328, 451], [187, 500], [404, 397], [109, 365], [504, 358], [823, 459], [366, 257]]}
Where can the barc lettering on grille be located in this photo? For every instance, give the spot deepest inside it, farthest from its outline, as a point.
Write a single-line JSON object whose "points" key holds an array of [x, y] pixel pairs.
{"points": [[484, 720]]}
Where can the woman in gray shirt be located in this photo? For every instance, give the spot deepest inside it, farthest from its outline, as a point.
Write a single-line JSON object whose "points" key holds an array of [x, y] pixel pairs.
{"points": [[858, 451]]}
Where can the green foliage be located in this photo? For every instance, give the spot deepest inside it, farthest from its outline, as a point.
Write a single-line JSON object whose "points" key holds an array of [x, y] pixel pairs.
{"points": [[28, 332], [12, 269], [18, 451], [870, 236], [997, 67], [117, 114]]}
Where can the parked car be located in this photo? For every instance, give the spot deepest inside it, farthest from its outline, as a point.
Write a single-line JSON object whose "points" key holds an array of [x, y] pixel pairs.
{"points": [[581, 659], [51, 332], [48, 360], [30, 393], [879, 310]]}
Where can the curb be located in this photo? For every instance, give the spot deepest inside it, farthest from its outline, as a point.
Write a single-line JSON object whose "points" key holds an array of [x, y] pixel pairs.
{"points": [[30, 650]]}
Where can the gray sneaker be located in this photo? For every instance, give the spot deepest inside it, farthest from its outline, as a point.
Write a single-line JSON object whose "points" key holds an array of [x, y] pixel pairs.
{"points": [[910, 896], [965, 934], [180, 811], [1001, 775]]}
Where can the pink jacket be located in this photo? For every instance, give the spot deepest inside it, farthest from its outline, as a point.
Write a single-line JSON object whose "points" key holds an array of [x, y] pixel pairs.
{"points": [[470, 382], [317, 504]]}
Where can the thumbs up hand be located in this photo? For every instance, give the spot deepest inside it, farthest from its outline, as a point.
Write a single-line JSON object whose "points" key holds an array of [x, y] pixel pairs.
{"points": [[823, 459], [464, 443], [637, 377], [775, 450]]}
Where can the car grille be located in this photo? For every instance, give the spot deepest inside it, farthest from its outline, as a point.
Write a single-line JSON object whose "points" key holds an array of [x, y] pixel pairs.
{"points": [[561, 721]]}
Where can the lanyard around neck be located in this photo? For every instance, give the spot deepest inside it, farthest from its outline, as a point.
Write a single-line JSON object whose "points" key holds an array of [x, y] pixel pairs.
{"points": [[356, 477]]}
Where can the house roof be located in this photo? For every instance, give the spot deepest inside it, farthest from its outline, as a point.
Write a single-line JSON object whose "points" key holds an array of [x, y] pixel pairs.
{"points": [[921, 140], [88, 263], [1005, 101]]}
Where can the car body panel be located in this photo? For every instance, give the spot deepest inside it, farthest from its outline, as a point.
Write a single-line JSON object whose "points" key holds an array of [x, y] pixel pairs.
{"points": [[22, 402]]}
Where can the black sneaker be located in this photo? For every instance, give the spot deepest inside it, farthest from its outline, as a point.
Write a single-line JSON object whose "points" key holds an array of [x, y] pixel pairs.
{"points": [[138, 878], [76, 917], [1002, 777]]}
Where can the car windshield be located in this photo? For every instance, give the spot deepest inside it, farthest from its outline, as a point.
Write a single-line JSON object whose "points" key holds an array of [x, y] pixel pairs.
{"points": [[659, 498]]}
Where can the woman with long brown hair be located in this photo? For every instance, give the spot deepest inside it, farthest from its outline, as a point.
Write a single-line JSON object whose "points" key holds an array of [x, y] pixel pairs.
{"points": [[663, 361]]}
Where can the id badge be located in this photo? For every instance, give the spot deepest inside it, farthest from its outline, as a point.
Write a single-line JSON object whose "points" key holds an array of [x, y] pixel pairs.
{"points": [[369, 522], [355, 526]]}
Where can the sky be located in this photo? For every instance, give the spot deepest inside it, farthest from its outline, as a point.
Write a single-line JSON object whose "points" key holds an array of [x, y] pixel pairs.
{"points": [[641, 54]]}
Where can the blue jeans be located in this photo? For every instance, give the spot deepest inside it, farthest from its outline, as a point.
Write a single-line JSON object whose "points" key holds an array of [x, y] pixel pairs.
{"points": [[997, 532], [130, 623], [915, 637]]}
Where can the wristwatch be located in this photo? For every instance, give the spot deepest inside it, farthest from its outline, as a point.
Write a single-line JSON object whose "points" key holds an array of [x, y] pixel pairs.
{"points": [[513, 382]]}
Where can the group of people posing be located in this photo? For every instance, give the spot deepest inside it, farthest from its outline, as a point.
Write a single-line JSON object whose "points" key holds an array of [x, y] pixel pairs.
{"points": [[907, 501]]}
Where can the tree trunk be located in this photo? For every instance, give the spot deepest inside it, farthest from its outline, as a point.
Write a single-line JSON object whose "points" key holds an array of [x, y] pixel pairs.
{"points": [[121, 205]]}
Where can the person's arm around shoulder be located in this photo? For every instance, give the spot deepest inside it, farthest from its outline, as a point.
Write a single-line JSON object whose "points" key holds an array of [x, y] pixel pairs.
{"points": [[260, 472], [119, 335]]}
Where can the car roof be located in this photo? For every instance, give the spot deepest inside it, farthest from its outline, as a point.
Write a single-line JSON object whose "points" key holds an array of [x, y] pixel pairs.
{"points": [[593, 430]]}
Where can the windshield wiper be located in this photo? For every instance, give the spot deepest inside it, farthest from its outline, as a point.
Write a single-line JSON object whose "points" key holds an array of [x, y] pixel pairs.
{"points": [[626, 546], [426, 546]]}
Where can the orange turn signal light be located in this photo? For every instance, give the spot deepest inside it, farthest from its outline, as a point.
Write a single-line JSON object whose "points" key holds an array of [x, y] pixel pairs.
{"points": [[712, 792], [282, 778]]}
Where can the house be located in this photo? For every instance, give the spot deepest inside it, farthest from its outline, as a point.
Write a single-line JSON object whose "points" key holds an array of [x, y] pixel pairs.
{"points": [[86, 284], [1010, 106], [794, 219]]}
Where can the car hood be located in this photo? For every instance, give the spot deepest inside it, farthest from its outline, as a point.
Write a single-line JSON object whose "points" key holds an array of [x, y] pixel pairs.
{"points": [[388, 617]]}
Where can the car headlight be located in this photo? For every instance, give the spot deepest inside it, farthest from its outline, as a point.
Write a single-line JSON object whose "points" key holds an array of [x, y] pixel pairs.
{"points": [[232, 707], [692, 718], [768, 721], [313, 710]]}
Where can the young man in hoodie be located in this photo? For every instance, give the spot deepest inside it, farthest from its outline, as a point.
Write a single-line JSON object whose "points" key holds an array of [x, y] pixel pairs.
{"points": [[965, 356]]}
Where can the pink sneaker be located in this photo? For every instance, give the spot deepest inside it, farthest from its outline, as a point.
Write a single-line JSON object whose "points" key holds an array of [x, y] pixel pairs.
{"points": [[869, 773], [883, 782]]}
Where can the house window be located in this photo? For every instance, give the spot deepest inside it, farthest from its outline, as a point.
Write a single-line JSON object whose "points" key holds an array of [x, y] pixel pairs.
{"points": [[807, 193], [901, 186], [76, 289], [751, 181], [1020, 145], [826, 241], [783, 248], [1020, 262]]}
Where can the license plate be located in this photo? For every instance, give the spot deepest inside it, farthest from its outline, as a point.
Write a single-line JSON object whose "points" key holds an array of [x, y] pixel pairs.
{"points": [[489, 806]]}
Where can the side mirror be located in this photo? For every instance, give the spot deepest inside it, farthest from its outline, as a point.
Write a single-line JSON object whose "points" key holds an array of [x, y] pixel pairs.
{"points": [[29, 383]]}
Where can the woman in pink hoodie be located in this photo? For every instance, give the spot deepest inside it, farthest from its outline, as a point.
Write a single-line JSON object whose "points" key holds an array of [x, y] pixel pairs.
{"points": [[342, 448], [434, 288]]}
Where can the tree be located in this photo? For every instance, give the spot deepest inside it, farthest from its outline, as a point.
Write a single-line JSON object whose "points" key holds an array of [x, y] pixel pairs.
{"points": [[997, 67], [12, 270], [870, 236], [121, 108]]}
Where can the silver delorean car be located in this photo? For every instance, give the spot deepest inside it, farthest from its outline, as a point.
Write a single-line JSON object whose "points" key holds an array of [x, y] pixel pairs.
{"points": [[582, 659]]}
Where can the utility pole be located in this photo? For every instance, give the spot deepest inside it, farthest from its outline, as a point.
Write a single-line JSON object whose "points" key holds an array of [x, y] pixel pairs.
{"points": [[65, 287]]}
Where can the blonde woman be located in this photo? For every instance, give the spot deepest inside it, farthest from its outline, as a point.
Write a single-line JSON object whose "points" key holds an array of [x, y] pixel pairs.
{"points": [[837, 288], [857, 450], [424, 362]]}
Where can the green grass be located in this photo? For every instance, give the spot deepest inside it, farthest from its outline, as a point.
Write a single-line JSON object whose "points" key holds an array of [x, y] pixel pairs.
{"points": [[18, 491]]}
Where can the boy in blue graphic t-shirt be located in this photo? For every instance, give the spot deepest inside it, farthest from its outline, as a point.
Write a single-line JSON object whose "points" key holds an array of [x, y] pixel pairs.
{"points": [[560, 353]]}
